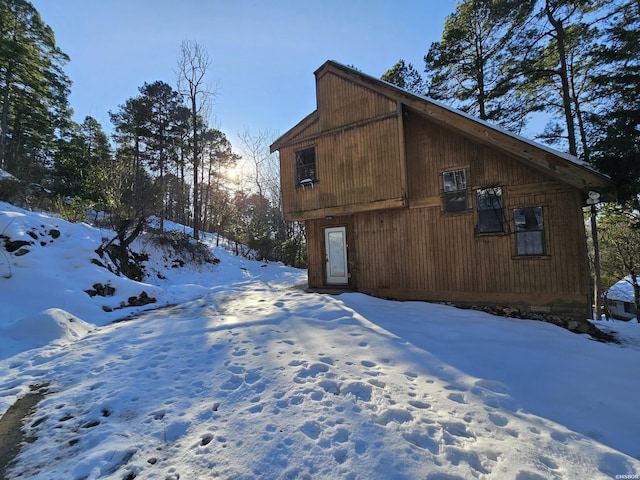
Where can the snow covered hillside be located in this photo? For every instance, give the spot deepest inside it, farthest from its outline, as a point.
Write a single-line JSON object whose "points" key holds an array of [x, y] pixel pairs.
{"points": [[242, 375]]}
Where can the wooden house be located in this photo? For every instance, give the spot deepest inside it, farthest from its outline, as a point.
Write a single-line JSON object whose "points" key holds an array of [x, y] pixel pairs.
{"points": [[406, 198]]}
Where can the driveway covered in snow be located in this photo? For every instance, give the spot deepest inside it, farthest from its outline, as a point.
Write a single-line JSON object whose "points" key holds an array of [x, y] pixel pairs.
{"points": [[258, 379]]}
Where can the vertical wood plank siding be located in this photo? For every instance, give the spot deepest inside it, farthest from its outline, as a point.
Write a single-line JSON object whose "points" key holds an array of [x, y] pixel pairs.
{"points": [[343, 102], [423, 253], [362, 140], [357, 163]]}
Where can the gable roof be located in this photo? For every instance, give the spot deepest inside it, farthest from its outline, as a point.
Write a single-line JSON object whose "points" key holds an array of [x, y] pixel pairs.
{"points": [[562, 166]]}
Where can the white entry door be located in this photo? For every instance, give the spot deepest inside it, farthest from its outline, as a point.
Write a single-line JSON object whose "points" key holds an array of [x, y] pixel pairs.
{"points": [[335, 244]]}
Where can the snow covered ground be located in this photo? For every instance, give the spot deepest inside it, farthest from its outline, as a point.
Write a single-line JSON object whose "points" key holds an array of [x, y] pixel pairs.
{"points": [[243, 375]]}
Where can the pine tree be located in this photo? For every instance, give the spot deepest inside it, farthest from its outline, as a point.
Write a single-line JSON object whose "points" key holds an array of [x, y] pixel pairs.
{"points": [[161, 132], [405, 76], [616, 149], [558, 69], [82, 158], [475, 65], [33, 90], [131, 135]]}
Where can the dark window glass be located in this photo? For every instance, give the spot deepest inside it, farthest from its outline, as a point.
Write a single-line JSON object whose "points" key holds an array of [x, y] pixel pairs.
{"points": [[306, 166], [455, 190], [529, 224], [490, 210]]}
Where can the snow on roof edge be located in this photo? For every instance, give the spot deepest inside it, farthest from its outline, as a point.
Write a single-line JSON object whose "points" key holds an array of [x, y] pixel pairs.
{"points": [[622, 291]]}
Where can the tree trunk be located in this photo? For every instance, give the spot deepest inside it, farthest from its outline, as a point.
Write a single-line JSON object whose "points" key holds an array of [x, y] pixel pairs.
{"points": [[564, 78], [4, 119], [481, 94], [596, 263], [580, 121], [196, 192], [636, 293]]}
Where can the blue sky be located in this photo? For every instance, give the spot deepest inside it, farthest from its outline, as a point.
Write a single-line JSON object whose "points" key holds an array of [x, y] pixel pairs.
{"points": [[263, 53]]}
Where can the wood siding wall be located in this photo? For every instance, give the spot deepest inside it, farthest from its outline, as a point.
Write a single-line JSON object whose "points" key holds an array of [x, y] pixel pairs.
{"points": [[422, 253], [359, 154], [342, 102]]}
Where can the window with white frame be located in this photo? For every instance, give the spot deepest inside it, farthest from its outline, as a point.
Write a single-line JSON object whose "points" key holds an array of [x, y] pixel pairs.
{"points": [[454, 186]]}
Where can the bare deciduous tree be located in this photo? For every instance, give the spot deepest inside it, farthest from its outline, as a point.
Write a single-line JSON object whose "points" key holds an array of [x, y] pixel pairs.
{"points": [[264, 165], [193, 64]]}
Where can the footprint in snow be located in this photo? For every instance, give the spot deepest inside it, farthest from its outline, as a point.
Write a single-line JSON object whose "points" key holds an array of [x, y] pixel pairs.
{"points": [[340, 455], [158, 415], [457, 455], [341, 436], [233, 383], [547, 462], [457, 397], [360, 391], [457, 429], [393, 415], [498, 420], [311, 429], [330, 386], [419, 404], [377, 383], [252, 375], [422, 440], [313, 371]]}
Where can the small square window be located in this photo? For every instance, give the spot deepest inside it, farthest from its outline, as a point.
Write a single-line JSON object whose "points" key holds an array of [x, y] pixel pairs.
{"points": [[490, 210], [305, 161], [529, 223], [455, 190]]}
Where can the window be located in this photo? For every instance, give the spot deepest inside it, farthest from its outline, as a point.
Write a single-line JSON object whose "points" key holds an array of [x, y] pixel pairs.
{"points": [[629, 308], [529, 231], [455, 190], [490, 210], [306, 166]]}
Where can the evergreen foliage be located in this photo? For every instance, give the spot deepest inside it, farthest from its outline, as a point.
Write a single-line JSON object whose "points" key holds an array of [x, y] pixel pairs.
{"points": [[620, 239], [82, 160], [405, 76], [616, 149], [476, 65], [559, 69], [33, 91]]}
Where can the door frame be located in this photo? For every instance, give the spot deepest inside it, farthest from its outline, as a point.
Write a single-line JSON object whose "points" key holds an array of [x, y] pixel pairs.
{"points": [[341, 280]]}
